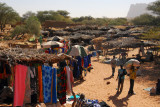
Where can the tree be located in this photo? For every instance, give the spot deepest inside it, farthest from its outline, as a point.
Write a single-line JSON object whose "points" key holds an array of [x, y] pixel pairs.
{"points": [[33, 25], [18, 30], [51, 15], [63, 13], [28, 14], [155, 7], [144, 19], [7, 15]]}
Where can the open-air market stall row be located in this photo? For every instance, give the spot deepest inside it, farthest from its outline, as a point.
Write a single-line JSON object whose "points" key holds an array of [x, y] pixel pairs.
{"points": [[32, 77]]}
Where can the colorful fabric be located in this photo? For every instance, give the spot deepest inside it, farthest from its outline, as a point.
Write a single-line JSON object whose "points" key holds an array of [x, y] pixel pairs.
{"points": [[89, 58], [27, 97], [86, 63], [82, 62], [33, 85], [40, 83], [47, 80], [69, 80], [19, 89], [54, 87], [61, 85], [79, 60]]}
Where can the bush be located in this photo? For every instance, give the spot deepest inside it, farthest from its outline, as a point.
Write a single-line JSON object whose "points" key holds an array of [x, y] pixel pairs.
{"points": [[144, 19]]}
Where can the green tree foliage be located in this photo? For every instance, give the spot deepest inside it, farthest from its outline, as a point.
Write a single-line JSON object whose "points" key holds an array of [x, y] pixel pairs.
{"points": [[28, 14], [19, 30], [144, 19], [7, 15], [53, 15], [33, 25], [155, 7], [63, 13], [118, 21], [100, 21]]}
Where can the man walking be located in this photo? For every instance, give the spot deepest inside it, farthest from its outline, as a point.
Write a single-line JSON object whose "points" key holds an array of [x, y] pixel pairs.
{"points": [[113, 65]]}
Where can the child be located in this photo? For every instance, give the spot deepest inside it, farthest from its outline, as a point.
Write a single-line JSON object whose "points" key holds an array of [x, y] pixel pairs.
{"points": [[121, 75]]}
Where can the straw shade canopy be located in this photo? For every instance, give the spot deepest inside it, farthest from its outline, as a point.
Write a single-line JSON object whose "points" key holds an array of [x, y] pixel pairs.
{"points": [[52, 44]]}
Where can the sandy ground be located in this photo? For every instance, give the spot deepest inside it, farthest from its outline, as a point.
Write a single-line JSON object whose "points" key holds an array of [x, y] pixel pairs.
{"points": [[95, 87]]}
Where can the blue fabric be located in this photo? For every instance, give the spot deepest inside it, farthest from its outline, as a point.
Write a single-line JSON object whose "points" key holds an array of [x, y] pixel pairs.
{"points": [[78, 72], [62, 50], [49, 50], [93, 54], [47, 80], [54, 88], [79, 60], [89, 58], [56, 52], [86, 62]]}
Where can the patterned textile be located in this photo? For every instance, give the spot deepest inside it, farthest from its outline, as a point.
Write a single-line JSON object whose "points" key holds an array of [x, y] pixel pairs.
{"points": [[33, 85], [61, 85], [47, 80], [27, 96], [54, 88]]}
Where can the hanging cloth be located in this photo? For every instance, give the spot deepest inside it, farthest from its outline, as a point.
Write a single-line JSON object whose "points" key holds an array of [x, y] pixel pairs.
{"points": [[19, 89], [40, 84], [69, 80], [79, 60], [47, 81], [1, 70], [82, 62], [86, 64], [33, 85], [75, 69], [61, 83], [54, 87], [89, 58], [27, 97]]}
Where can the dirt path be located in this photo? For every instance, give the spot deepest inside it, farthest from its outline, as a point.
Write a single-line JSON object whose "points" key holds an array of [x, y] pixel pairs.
{"points": [[95, 87]]}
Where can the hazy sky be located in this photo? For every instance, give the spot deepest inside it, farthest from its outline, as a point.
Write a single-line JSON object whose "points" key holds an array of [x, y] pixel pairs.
{"points": [[77, 8]]}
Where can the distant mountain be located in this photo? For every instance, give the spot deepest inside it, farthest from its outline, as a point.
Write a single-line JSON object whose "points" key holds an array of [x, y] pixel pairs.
{"points": [[137, 10]]}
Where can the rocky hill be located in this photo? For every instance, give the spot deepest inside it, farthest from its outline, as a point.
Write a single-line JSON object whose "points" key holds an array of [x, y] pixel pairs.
{"points": [[137, 10]]}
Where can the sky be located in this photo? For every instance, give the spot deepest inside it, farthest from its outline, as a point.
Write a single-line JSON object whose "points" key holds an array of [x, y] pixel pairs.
{"points": [[77, 8]]}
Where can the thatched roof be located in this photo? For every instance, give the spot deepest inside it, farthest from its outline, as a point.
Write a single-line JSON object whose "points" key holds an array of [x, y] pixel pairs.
{"points": [[129, 42], [99, 39], [121, 42], [19, 55]]}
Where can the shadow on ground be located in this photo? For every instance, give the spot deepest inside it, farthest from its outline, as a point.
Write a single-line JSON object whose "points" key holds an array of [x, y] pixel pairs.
{"points": [[108, 78], [119, 102], [78, 82]]}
